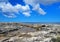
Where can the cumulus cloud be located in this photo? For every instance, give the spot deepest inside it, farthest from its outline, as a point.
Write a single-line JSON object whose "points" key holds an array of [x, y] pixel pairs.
{"points": [[9, 10], [39, 10], [26, 14], [4, 1], [36, 6], [47, 2], [32, 2]]}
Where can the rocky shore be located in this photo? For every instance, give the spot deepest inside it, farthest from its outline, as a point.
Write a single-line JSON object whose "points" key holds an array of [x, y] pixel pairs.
{"points": [[18, 32]]}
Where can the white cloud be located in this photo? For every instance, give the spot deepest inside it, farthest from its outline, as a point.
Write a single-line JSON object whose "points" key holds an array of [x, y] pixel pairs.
{"points": [[47, 2], [9, 15], [10, 11], [32, 2], [35, 5], [4, 1], [39, 10], [26, 14]]}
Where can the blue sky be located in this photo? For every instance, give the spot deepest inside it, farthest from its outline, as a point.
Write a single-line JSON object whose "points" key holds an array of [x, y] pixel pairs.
{"points": [[29, 11]]}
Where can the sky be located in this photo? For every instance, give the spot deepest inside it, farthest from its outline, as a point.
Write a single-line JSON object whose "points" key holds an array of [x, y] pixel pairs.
{"points": [[29, 10]]}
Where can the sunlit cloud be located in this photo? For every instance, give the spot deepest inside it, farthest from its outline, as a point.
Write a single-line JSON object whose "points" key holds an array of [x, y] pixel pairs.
{"points": [[10, 11]]}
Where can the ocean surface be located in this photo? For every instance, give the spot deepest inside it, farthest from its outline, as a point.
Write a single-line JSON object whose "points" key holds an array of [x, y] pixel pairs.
{"points": [[41, 22]]}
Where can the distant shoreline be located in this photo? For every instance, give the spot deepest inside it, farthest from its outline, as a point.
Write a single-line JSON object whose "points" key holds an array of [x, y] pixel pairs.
{"points": [[34, 22]]}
